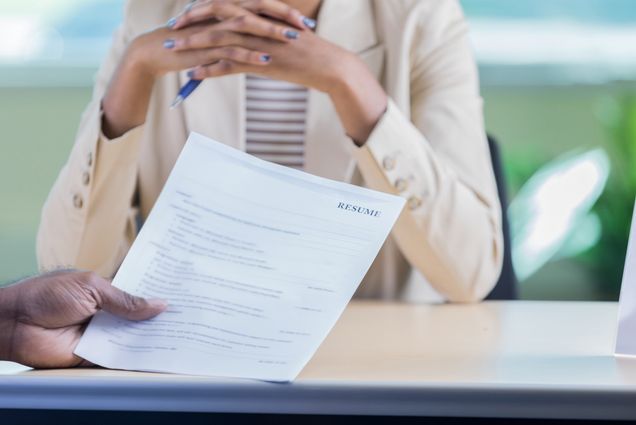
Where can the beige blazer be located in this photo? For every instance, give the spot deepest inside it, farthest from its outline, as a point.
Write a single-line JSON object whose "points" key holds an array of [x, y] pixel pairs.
{"points": [[431, 137]]}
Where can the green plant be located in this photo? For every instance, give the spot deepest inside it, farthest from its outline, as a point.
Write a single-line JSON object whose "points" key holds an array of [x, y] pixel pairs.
{"points": [[614, 207]]}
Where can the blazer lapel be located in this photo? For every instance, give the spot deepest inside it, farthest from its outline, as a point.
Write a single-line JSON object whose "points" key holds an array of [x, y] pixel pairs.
{"points": [[351, 25]]}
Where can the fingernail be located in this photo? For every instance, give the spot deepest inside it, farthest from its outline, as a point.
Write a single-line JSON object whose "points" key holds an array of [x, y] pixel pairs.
{"points": [[309, 23], [169, 43], [190, 74], [266, 58], [291, 34], [188, 7], [171, 22]]}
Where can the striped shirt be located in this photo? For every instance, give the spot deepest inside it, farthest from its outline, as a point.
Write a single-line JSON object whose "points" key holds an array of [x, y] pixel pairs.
{"points": [[275, 121]]}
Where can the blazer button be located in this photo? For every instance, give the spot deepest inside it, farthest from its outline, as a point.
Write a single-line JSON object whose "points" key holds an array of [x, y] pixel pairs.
{"points": [[86, 178], [401, 185], [78, 202], [414, 202], [90, 159], [388, 163]]}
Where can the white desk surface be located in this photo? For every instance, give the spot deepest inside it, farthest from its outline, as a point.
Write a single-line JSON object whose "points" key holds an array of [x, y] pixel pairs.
{"points": [[498, 359]]}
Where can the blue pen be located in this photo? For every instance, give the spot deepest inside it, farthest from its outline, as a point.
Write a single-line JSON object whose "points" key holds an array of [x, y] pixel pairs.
{"points": [[185, 92]]}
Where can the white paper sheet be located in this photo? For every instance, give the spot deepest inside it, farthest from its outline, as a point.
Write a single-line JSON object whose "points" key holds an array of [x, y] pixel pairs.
{"points": [[626, 336], [256, 261]]}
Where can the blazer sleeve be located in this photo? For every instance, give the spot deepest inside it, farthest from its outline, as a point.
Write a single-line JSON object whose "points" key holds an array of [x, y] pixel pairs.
{"points": [[88, 219], [438, 159]]}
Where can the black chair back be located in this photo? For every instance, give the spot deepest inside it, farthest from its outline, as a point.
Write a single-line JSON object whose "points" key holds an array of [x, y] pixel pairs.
{"points": [[506, 287]]}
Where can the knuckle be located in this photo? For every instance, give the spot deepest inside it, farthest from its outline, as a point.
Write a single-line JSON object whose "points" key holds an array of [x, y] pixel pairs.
{"points": [[225, 66], [131, 302], [93, 279], [230, 53], [216, 37], [91, 286], [241, 22], [186, 43], [94, 294]]}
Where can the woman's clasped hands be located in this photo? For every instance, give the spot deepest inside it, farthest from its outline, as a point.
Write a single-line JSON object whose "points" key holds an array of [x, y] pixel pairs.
{"points": [[214, 38]]}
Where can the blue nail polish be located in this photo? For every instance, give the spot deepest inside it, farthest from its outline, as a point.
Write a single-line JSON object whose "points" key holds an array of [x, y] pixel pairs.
{"points": [[266, 58], [309, 23], [190, 74], [171, 22], [169, 43], [291, 34]]}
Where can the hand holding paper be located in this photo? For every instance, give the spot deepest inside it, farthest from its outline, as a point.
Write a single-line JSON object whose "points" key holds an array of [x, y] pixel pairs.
{"points": [[256, 261]]}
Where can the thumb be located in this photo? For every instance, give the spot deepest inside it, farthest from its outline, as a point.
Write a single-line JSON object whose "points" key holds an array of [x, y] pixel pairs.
{"points": [[124, 305]]}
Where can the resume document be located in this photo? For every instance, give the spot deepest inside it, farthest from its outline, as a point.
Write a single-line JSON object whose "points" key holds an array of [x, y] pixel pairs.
{"points": [[256, 261]]}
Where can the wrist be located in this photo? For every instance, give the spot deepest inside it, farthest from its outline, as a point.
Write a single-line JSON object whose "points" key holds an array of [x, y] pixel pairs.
{"points": [[340, 77], [359, 99], [8, 323], [136, 62], [125, 103]]}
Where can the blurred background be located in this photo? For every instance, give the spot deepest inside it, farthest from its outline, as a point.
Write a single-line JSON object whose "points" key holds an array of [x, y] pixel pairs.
{"points": [[559, 83]]}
